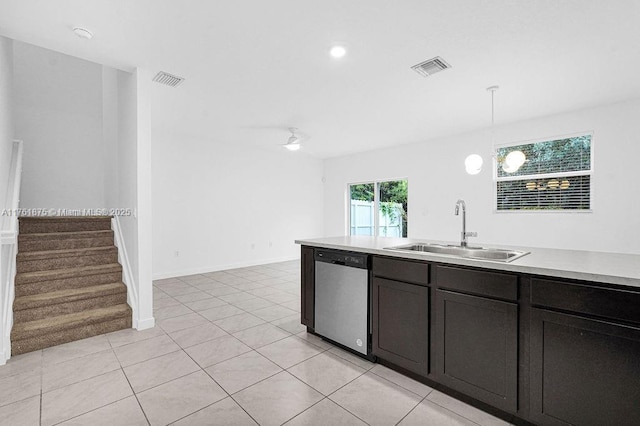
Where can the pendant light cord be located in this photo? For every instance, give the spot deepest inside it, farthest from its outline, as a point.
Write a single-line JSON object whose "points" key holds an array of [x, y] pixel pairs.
{"points": [[492, 89], [493, 92]]}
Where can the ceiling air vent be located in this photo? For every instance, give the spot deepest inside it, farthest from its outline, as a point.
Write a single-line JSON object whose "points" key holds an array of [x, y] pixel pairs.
{"points": [[168, 79], [431, 66]]}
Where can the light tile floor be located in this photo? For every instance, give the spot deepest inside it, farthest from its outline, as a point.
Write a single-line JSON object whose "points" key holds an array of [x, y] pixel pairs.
{"points": [[228, 349]]}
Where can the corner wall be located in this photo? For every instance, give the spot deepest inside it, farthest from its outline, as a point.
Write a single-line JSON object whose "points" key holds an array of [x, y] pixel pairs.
{"points": [[132, 181], [435, 170]]}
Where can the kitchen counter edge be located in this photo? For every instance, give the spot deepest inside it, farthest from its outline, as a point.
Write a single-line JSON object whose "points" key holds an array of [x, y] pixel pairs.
{"points": [[602, 267]]}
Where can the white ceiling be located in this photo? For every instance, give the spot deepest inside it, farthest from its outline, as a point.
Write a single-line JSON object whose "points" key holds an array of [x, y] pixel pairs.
{"points": [[255, 67]]}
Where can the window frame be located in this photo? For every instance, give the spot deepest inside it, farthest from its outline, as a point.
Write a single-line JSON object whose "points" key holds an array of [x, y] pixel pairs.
{"points": [[376, 204], [590, 172]]}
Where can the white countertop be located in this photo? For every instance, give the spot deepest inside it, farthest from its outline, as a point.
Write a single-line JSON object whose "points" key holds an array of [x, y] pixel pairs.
{"points": [[613, 268]]}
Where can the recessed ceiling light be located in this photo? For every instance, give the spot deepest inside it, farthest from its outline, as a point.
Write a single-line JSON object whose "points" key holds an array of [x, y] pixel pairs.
{"points": [[338, 52], [83, 33]]}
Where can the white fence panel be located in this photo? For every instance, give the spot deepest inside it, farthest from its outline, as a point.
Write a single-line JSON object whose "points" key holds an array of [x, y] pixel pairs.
{"points": [[362, 219]]}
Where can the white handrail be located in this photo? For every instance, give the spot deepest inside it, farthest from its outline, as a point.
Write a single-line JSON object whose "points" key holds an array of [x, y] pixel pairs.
{"points": [[127, 274], [13, 192], [8, 250]]}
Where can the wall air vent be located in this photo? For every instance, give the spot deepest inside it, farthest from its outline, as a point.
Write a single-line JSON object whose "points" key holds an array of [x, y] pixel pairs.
{"points": [[168, 79], [431, 66]]}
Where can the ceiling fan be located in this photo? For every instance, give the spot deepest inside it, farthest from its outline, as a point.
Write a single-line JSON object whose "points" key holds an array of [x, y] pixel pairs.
{"points": [[293, 143]]}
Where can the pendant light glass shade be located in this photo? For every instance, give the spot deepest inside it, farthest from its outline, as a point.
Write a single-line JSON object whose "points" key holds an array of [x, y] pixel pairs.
{"points": [[473, 164], [513, 161]]}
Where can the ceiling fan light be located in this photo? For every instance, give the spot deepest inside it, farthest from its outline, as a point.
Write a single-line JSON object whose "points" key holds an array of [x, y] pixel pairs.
{"points": [[293, 143], [293, 146]]}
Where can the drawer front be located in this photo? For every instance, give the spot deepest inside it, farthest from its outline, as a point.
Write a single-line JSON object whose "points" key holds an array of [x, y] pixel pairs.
{"points": [[401, 270], [491, 284], [585, 299]]}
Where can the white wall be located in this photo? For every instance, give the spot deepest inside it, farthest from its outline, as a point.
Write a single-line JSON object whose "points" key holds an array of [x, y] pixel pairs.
{"points": [[435, 170], [6, 115], [110, 135], [126, 194], [58, 115], [223, 206], [144, 205], [7, 252]]}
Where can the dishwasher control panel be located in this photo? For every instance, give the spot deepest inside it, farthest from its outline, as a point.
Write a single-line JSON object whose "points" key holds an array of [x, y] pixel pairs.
{"points": [[354, 260]]}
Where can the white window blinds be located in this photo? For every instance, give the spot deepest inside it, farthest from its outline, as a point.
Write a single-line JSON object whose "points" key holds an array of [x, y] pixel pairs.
{"points": [[556, 175]]}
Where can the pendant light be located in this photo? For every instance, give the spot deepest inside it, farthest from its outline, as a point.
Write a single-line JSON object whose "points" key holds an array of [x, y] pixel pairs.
{"points": [[473, 163], [515, 159]]}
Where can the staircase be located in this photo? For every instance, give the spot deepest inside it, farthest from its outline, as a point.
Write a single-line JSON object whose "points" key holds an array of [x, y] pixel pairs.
{"points": [[68, 284]]}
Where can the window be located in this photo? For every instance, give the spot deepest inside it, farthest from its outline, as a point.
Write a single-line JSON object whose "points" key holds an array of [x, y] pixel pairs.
{"points": [[378, 208], [556, 175]]}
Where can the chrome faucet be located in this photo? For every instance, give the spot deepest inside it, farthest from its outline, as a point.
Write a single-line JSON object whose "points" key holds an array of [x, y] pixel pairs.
{"points": [[464, 234]]}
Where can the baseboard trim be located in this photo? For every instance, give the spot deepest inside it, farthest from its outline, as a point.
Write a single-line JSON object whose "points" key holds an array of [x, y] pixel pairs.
{"points": [[214, 268], [144, 324]]}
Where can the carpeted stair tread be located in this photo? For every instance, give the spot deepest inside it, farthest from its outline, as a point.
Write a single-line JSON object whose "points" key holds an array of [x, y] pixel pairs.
{"points": [[64, 259], [59, 323], [64, 240], [65, 235], [30, 344], [67, 295], [31, 225], [55, 254], [57, 274]]}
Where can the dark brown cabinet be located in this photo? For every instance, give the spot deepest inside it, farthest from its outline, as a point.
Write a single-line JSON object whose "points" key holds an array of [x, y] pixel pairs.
{"points": [[400, 313], [476, 334], [584, 371], [400, 333], [476, 347], [307, 287]]}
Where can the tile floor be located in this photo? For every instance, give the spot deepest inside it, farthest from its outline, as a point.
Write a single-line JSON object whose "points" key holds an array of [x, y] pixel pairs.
{"points": [[228, 349]]}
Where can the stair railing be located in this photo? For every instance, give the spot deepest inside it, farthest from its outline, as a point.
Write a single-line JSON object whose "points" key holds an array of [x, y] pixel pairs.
{"points": [[9, 249], [127, 274]]}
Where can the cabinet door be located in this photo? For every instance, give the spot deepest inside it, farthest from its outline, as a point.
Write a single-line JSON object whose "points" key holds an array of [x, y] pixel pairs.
{"points": [[583, 371], [307, 290], [476, 347], [400, 314]]}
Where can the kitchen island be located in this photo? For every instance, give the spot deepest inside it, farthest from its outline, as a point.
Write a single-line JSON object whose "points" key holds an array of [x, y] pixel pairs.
{"points": [[550, 338]]}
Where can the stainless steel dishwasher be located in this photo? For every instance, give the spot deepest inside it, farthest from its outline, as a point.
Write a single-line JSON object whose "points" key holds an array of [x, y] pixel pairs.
{"points": [[342, 298]]}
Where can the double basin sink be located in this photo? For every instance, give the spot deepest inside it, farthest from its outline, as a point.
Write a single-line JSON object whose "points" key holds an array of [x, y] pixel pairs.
{"points": [[483, 253]]}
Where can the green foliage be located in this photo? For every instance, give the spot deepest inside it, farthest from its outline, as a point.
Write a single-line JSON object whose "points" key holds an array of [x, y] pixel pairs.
{"points": [[362, 192], [560, 155]]}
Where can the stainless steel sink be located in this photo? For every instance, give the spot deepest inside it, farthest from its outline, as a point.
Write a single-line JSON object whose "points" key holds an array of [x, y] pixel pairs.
{"points": [[499, 255]]}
